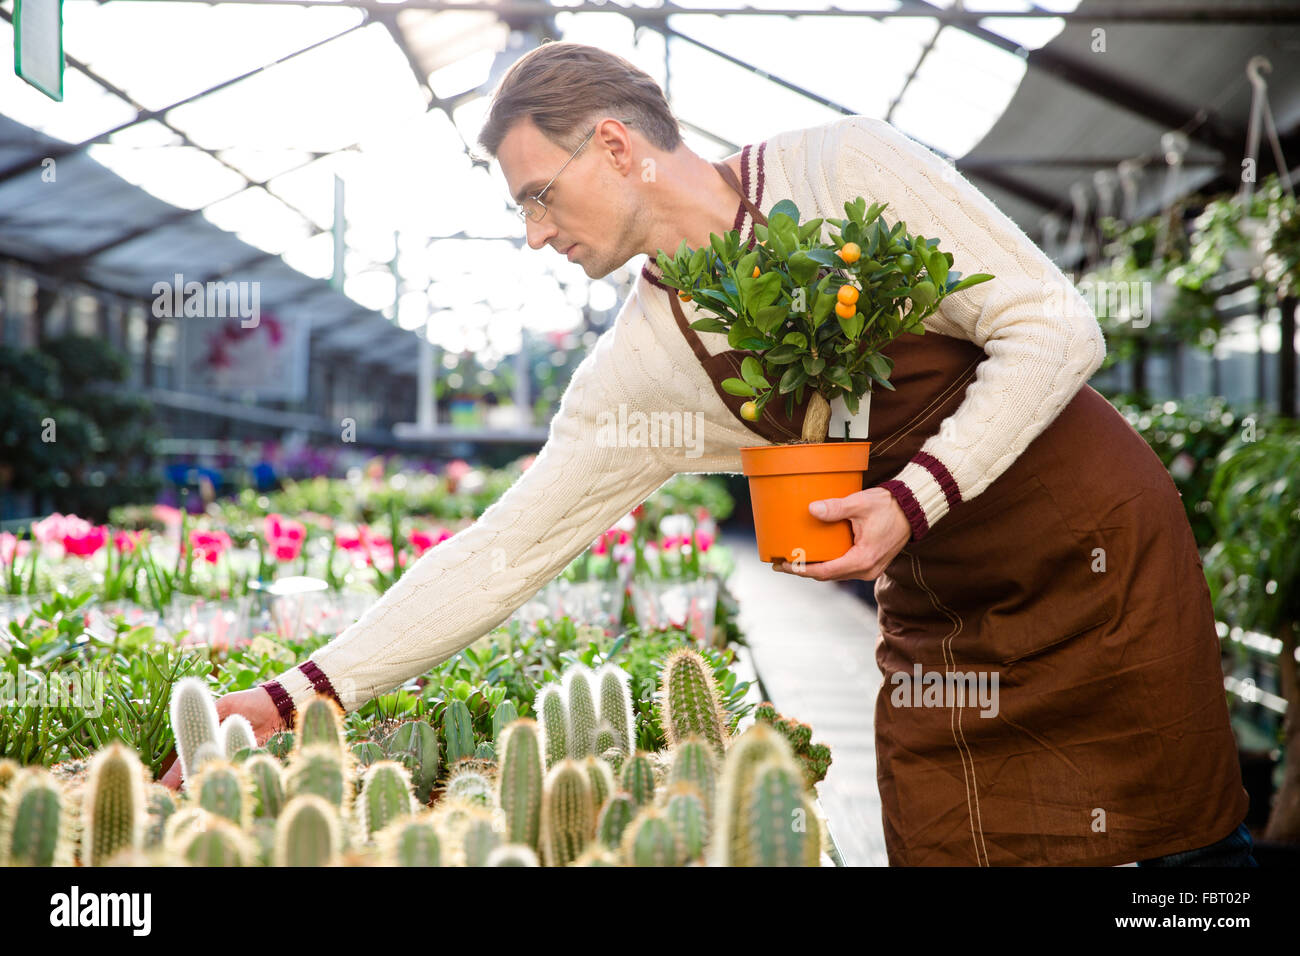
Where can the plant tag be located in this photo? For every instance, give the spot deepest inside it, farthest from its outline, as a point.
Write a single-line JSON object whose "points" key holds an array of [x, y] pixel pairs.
{"points": [[856, 424]]}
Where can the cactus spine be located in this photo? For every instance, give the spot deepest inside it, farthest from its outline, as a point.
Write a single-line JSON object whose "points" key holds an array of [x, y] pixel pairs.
{"points": [[317, 770], [568, 817], [35, 827], [693, 763], [638, 779], [114, 809], [266, 785], [619, 811], [469, 786], [194, 722], [221, 789], [554, 723], [581, 711], [236, 735], [685, 812], [747, 754], [411, 841], [519, 782], [385, 795], [650, 840], [320, 722], [307, 832], [218, 842], [458, 729], [689, 699], [616, 708], [773, 829]]}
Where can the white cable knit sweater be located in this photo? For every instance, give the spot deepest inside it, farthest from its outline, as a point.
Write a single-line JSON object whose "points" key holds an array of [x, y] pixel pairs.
{"points": [[1042, 340]]}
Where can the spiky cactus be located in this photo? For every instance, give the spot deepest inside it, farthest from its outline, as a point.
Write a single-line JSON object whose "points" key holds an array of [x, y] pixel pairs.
{"points": [[222, 790], [161, 804], [520, 781], [307, 833], [596, 855], [512, 854], [113, 813], [385, 795], [217, 843], [568, 817], [486, 750], [554, 723], [505, 715], [266, 785], [469, 786], [638, 779], [320, 723], [181, 823], [689, 819], [618, 812], [814, 759], [650, 840], [479, 839], [280, 744], [458, 729], [415, 744], [411, 841], [580, 705], [194, 722], [317, 770], [732, 840], [614, 757], [236, 735], [367, 752], [774, 826], [601, 779], [693, 763], [616, 708], [36, 827], [689, 700]]}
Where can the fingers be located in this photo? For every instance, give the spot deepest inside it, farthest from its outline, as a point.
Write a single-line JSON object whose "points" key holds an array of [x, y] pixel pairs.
{"points": [[172, 778]]}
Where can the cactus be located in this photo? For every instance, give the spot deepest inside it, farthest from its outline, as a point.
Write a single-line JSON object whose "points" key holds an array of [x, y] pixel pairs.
{"points": [[280, 744], [35, 829], [638, 779], [512, 854], [601, 779], [693, 763], [113, 809], [773, 830], [458, 729], [367, 752], [194, 722], [689, 700], [616, 708], [554, 723], [817, 835], [650, 840], [320, 722], [411, 841], [161, 804], [519, 782], [469, 786], [689, 819], [614, 757], [217, 843], [485, 751], [581, 708], [618, 812], [385, 795], [222, 790], [596, 855], [236, 735], [307, 832], [505, 715], [181, 823], [8, 772], [730, 841], [814, 759], [568, 817], [317, 770], [266, 785], [415, 744], [606, 739], [480, 838]]}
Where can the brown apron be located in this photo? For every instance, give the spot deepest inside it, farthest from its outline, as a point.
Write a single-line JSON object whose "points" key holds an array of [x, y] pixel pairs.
{"points": [[1073, 580]]}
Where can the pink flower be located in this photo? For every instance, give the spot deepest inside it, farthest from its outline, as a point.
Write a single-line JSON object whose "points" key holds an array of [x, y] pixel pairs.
{"points": [[8, 545], [455, 471], [208, 545], [674, 543], [126, 541], [49, 530], [422, 541], [168, 515], [703, 540], [284, 537]]}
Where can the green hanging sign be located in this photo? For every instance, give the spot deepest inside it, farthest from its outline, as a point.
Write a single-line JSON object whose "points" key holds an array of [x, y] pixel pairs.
{"points": [[38, 45]]}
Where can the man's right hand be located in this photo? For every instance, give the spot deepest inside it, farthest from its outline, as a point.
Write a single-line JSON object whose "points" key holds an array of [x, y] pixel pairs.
{"points": [[256, 705]]}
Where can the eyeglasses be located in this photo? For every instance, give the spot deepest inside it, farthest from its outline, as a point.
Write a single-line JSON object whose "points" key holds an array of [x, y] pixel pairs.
{"points": [[533, 209]]}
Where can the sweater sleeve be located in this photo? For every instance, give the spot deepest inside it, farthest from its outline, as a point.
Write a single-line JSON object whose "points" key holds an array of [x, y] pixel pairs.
{"points": [[1042, 339], [577, 487]]}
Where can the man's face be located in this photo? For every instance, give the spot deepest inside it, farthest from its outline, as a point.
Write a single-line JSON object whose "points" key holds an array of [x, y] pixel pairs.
{"points": [[592, 206]]}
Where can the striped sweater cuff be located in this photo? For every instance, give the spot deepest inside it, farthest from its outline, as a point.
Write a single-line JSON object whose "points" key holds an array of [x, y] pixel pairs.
{"points": [[297, 685], [925, 490]]}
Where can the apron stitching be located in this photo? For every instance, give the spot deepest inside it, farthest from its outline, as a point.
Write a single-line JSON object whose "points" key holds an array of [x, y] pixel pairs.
{"points": [[890, 440], [977, 825]]}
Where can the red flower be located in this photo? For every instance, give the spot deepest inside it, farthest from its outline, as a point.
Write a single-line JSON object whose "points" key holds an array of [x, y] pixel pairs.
{"points": [[422, 541], [703, 540], [284, 537], [83, 541], [127, 540], [208, 545]]}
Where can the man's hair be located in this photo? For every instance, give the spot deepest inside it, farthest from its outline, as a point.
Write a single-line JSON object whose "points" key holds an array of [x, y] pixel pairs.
{"points": [[564, 87]]}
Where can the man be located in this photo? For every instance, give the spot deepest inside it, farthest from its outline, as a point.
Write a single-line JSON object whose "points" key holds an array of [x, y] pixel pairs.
{"points": [[1024, 536]]}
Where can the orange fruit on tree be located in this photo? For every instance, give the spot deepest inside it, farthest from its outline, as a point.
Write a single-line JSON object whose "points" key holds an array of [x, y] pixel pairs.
{"points": [[684, 296], [749, 411], [845, 311], [757, 272], [847, 294], [850, 252]]}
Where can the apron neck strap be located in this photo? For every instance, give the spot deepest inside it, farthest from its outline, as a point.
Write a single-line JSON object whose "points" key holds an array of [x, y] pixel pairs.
{"points": [[729, 175]]}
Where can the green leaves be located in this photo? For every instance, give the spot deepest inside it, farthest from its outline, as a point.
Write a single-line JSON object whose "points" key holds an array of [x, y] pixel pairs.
{"points": [[735, 386], [752, 372]]}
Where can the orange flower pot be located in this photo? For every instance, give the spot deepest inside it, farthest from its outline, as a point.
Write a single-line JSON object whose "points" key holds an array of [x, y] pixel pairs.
{"points": [[785, 479]]}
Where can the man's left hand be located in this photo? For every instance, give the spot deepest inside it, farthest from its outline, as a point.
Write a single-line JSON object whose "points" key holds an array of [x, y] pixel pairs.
{"points": [[880, 531]]}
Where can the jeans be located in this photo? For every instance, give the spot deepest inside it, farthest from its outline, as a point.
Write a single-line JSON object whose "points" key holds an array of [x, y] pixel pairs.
{"points": [[1232, 850]]}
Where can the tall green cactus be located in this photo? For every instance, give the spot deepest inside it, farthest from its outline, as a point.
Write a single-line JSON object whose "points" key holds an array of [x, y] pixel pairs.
{"points": [[385, 795], [568, 817], [236, 735], [747, 753], [317, 770], [415, 744], [222, 790], [616, 707], [505, 715], [113, 812], [469, 786], [479, 839], [693, 763], [320, 722], [554, 723], [580, 705], [307, 833], [685, 811], [520, 781], [266, 785], [512, 854], [412, 841], [774, 824], [36, 827], [638, 779], [194, 722], [458, 729], [689, 700], [217, 843], [619, 811], [161, 804], [650, 840], [601, 779]]}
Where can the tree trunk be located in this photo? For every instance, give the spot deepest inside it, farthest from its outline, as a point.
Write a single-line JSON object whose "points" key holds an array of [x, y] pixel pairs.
{"points": [[1284, 819], [817, 419]]}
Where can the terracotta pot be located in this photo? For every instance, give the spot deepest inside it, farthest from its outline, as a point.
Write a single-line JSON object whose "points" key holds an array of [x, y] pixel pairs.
{"points": [[785, 479]]}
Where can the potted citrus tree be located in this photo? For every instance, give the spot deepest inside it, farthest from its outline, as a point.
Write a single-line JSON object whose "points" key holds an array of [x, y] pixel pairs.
{"points": [[814, 315]]}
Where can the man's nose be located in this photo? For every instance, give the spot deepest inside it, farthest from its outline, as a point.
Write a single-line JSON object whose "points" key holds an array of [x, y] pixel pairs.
{"points": [[539, 233]]}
